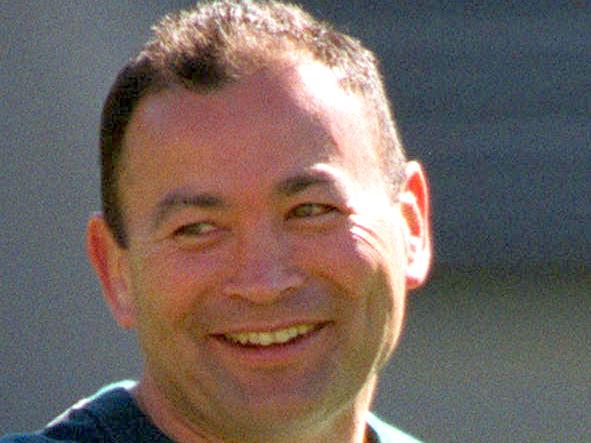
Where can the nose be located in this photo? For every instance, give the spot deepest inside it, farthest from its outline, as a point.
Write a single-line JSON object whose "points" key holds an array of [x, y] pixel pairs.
{"points": [[262, 270]]}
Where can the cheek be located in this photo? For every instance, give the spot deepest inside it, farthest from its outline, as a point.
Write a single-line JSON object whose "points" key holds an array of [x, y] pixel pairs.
{"points": [[382, 251], [169, 283], [360, 258], [364, 268]]}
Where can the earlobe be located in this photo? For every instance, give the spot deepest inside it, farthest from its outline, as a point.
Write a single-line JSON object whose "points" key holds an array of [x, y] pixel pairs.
{"points": [[110, 263], [416, 213]]}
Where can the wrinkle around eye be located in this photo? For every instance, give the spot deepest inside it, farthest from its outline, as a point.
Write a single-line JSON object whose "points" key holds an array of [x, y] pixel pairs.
{"points": [[369, 241]]}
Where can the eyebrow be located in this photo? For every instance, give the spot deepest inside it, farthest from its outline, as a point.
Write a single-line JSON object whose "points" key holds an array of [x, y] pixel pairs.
{"points": [[299, 183], [180, 198]]}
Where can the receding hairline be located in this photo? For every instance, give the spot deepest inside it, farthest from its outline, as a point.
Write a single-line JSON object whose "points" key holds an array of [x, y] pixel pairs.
{"points": [[282, 74], [286, 68], [216, 43]]}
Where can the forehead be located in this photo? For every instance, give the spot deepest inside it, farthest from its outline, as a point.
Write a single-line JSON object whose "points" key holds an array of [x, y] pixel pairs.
{"points": [[271, 123]]}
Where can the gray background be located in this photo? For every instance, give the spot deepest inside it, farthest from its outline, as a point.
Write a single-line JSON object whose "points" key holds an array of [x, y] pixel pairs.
{"points": [[493, 96]]}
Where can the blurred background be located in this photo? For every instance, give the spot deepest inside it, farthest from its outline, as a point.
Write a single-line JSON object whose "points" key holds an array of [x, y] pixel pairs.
{"points": [[493, 96]]}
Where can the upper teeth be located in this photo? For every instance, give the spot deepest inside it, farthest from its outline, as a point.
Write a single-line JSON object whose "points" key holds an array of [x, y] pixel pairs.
{"points": [[269, 338]]}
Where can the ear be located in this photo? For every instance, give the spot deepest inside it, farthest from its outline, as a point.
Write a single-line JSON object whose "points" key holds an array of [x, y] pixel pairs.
{"points": [[110, 262], [416, 211]]}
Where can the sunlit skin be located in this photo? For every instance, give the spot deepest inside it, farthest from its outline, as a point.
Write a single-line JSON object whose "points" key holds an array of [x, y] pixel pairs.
{"points": [[251, 209]]}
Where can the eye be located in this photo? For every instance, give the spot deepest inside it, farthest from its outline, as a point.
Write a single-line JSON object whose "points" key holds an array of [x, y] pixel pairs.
{"points": [[306, 210], [195, 229]]}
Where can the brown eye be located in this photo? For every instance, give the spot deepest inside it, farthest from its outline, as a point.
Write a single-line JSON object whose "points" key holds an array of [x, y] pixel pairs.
{"points": [[310, 210], [195, 229]]}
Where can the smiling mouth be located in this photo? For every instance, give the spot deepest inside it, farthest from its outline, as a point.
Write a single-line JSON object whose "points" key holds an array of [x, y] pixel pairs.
{"points": [[271, 338]]}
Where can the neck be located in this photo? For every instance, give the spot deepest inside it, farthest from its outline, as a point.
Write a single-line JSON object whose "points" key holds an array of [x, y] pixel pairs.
{"points": [[348, 425]]}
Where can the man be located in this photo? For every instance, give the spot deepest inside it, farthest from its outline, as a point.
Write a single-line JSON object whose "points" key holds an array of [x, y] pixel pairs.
{"points": [[260, 229]]}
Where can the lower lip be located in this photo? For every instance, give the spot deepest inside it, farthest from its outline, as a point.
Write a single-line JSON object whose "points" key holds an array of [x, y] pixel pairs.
{"points": [[272, 355]]}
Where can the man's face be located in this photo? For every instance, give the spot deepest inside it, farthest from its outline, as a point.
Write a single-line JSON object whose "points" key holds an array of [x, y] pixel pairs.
{"points": [[266, 262]]}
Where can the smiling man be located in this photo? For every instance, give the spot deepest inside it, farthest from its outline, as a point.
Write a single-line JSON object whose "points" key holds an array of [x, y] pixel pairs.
{"points": [[261, 228]]}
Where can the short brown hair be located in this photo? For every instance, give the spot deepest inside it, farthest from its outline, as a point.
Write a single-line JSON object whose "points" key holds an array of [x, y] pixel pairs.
{"points": [[219, 42]]}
